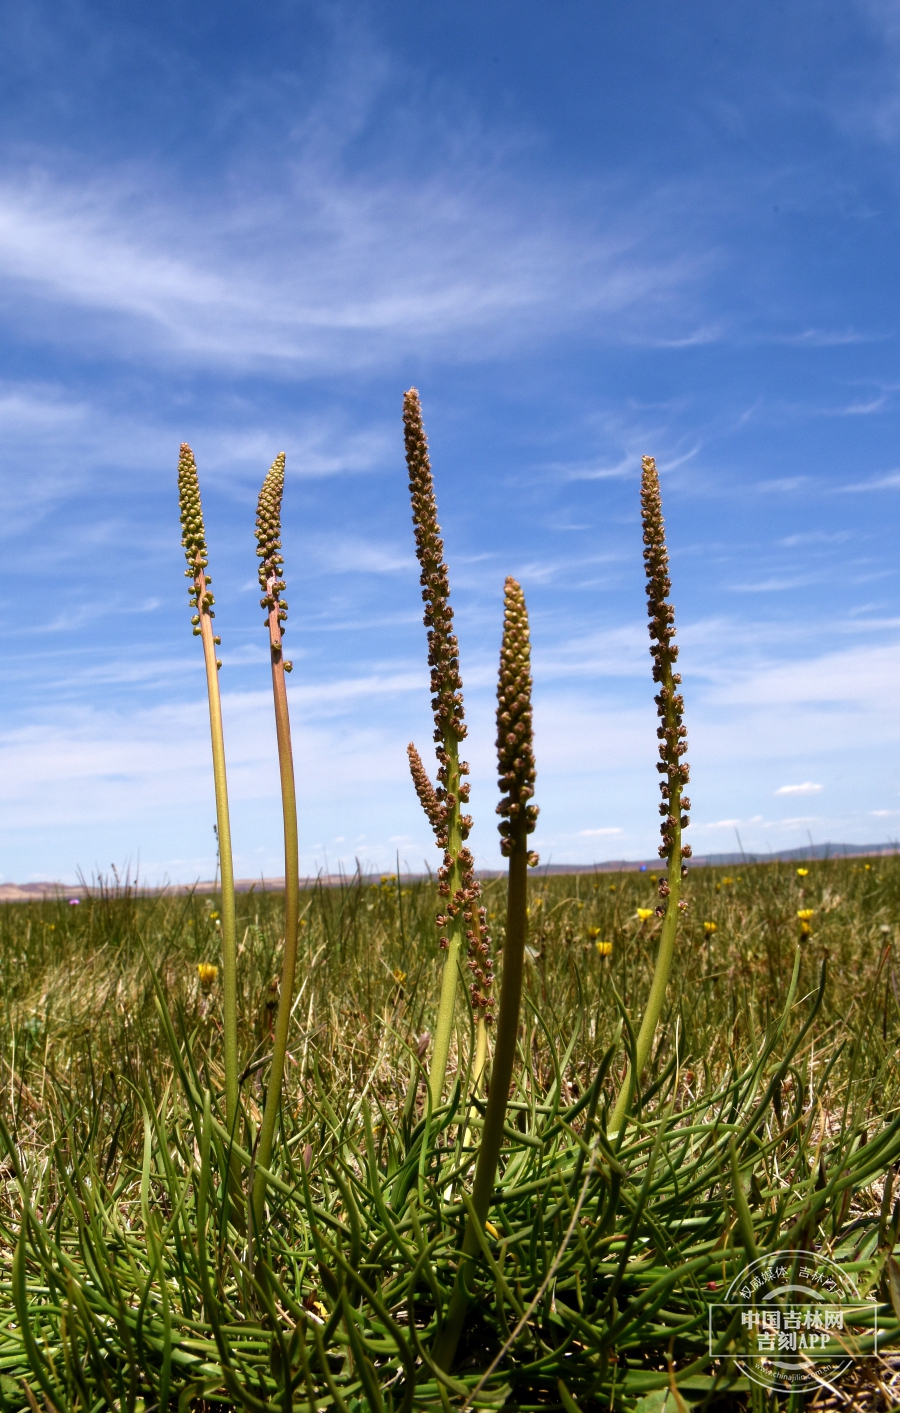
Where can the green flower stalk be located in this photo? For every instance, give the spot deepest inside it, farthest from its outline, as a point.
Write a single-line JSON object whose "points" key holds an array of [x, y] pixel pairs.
{"points": [[515, 756], [193, 539], [460, 917], [672, 767], [268, 536]]}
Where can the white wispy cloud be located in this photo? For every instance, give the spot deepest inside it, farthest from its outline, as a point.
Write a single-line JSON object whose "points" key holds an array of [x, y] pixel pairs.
{"points": [[348, 554], [88, 446], [889, 481], [132, 781], [773, 585], [830, 338], [865, 677], [329, 268]]}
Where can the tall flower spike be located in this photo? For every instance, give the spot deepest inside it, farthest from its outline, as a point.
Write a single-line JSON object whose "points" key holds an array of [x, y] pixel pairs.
{"points": [[672, 735], [460, 916], [443, 648], [268, 549], [193, 538], [515, 739]]}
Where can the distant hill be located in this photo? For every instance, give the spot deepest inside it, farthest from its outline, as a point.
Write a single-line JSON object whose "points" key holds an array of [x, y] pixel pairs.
{"points": [[808, 851], [47, 892]]}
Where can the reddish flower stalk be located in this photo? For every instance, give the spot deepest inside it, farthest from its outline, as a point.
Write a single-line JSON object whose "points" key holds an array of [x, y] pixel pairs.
{"points": [[268, 535]]}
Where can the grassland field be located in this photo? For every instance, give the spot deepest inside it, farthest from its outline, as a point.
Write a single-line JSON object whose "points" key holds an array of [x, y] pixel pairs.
{"points": [[79, 1012], [85, 1059]]}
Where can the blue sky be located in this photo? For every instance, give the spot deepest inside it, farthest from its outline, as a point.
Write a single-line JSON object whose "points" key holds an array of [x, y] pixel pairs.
{"points": [[586, 233]]}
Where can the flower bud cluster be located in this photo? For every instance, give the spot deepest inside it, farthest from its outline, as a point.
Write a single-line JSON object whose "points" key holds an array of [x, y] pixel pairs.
{"points": [[478, 947], [443, 647], [268, 549], [515, 739], [424, 789], [193, 538], [461, 903], [672, 733]]}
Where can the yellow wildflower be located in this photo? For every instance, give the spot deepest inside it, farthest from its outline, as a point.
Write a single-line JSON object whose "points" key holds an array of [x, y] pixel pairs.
{"points": [[802, 872], [805, 929], [709, 928], [644, 913], [399, 976], [593, 933], [727, 880], [214, 917], [604, 949], [207, 973], [612, 888], [804, 914]]}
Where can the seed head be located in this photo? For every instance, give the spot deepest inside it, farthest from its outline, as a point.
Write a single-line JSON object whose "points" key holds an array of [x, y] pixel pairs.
{"points": [[193, 535], [671, 732], [515, 738], [443, 648], [268, 541]]}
